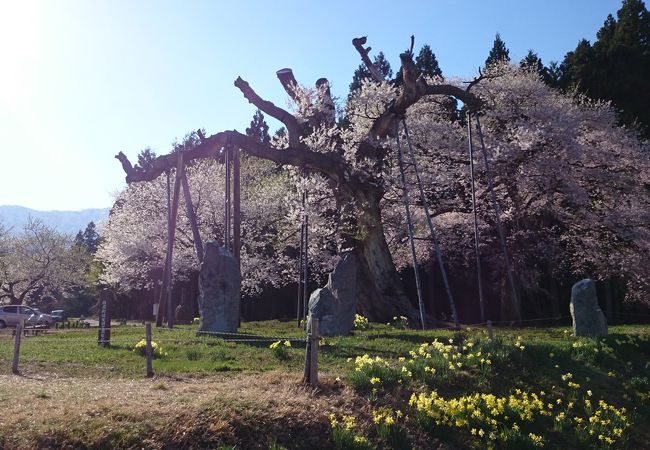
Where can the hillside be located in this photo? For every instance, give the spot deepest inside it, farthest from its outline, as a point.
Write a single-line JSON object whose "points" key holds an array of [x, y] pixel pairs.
{"points": [[14, 217]]}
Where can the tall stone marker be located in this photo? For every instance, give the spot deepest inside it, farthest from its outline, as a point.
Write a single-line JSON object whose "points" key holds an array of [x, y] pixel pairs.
{"points": [[588, 318], [104, 331], [219, 291], [336, 303]]}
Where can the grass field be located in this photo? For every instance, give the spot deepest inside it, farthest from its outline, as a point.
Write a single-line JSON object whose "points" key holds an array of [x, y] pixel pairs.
{"points": [[414, 389]]}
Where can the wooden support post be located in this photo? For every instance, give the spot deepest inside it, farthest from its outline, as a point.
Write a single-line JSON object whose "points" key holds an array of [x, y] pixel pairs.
{"points": [[490, 330], [166, 291], [14, 364], [149, 355], [313, 365], [189, 207]]}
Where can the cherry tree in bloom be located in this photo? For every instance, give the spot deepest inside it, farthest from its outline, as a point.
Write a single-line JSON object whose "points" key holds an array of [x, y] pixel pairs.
{"points": [[572, 187], [135, 238]]}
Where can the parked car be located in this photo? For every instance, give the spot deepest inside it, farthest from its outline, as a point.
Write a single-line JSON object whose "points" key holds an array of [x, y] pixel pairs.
{"points": [[11, 315], [43, 319], [58, 315]]}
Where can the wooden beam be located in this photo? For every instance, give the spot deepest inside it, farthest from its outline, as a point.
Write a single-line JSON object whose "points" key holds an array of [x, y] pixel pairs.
{"points": [[166, 292], [189, 207]]}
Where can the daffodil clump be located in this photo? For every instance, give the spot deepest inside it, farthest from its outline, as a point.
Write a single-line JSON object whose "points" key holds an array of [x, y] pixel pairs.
{"points": [[604, 424], [390, 427], [373, 373], [345, 435], [442, 359], [156, 350], [485, 417], [521, 419], [401, 322], [280, 349], [360, 322]]}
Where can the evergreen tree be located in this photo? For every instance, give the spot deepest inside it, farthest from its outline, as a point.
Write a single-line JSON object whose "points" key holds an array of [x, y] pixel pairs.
{"points": [[145, 157], [616, 66], [259, 129], [427, 63], [89, 238], [534, 63], [498, 53], [362, 72]]}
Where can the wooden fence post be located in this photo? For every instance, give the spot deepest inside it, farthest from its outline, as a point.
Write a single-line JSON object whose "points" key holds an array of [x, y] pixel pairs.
{"points": [[313, 365], [14, 365], [149, 355], [489, 329]]}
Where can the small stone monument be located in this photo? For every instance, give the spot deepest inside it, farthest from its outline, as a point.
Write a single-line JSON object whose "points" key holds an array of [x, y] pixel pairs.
{"points": [[219, 290], [336, 303], [588, 318]]}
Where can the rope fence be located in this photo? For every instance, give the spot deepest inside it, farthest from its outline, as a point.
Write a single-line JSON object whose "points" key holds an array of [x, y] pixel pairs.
{"points": [[183, 336]]}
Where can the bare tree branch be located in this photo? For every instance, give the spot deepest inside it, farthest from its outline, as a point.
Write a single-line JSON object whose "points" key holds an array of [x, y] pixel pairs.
{"points": [[358, 44], [293, 128]]}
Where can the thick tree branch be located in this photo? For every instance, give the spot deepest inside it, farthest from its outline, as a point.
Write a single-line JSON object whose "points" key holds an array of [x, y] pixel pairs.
{"points": [[416, 87], [288, 82], [358, 44], [293, 128], [330, 164]]}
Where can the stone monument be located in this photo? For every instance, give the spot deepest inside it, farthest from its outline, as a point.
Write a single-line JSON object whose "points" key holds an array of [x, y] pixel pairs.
{"points": [[336, 303], [219, 290], [588, 318]]}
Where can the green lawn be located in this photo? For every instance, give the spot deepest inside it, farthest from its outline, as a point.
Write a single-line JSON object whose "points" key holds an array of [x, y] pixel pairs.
{"points": [[464, 389]]}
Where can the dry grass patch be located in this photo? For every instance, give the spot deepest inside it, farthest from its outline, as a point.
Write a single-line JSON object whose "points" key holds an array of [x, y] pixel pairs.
{"points": [[47, 411]]}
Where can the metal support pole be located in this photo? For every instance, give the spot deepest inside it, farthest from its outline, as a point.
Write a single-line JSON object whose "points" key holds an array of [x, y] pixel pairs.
{"points": [[305, 276], [409, 223], [432, 231], [476, 235], [299, 302], [226, 233], [236, 180], [497, 213]]}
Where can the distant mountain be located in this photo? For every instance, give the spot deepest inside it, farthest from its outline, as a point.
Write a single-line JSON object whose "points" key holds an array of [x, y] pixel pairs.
{"points": [[64, 221]]}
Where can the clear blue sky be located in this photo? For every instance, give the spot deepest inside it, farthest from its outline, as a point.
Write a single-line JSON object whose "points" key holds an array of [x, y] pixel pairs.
{"points": [[84, 79]]}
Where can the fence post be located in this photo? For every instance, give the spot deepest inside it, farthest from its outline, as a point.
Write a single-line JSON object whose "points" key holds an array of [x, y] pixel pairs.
{"points": [[147, 327], [306, 372], [489, 329], [313, 364], [310, 375], [14, 365]]}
